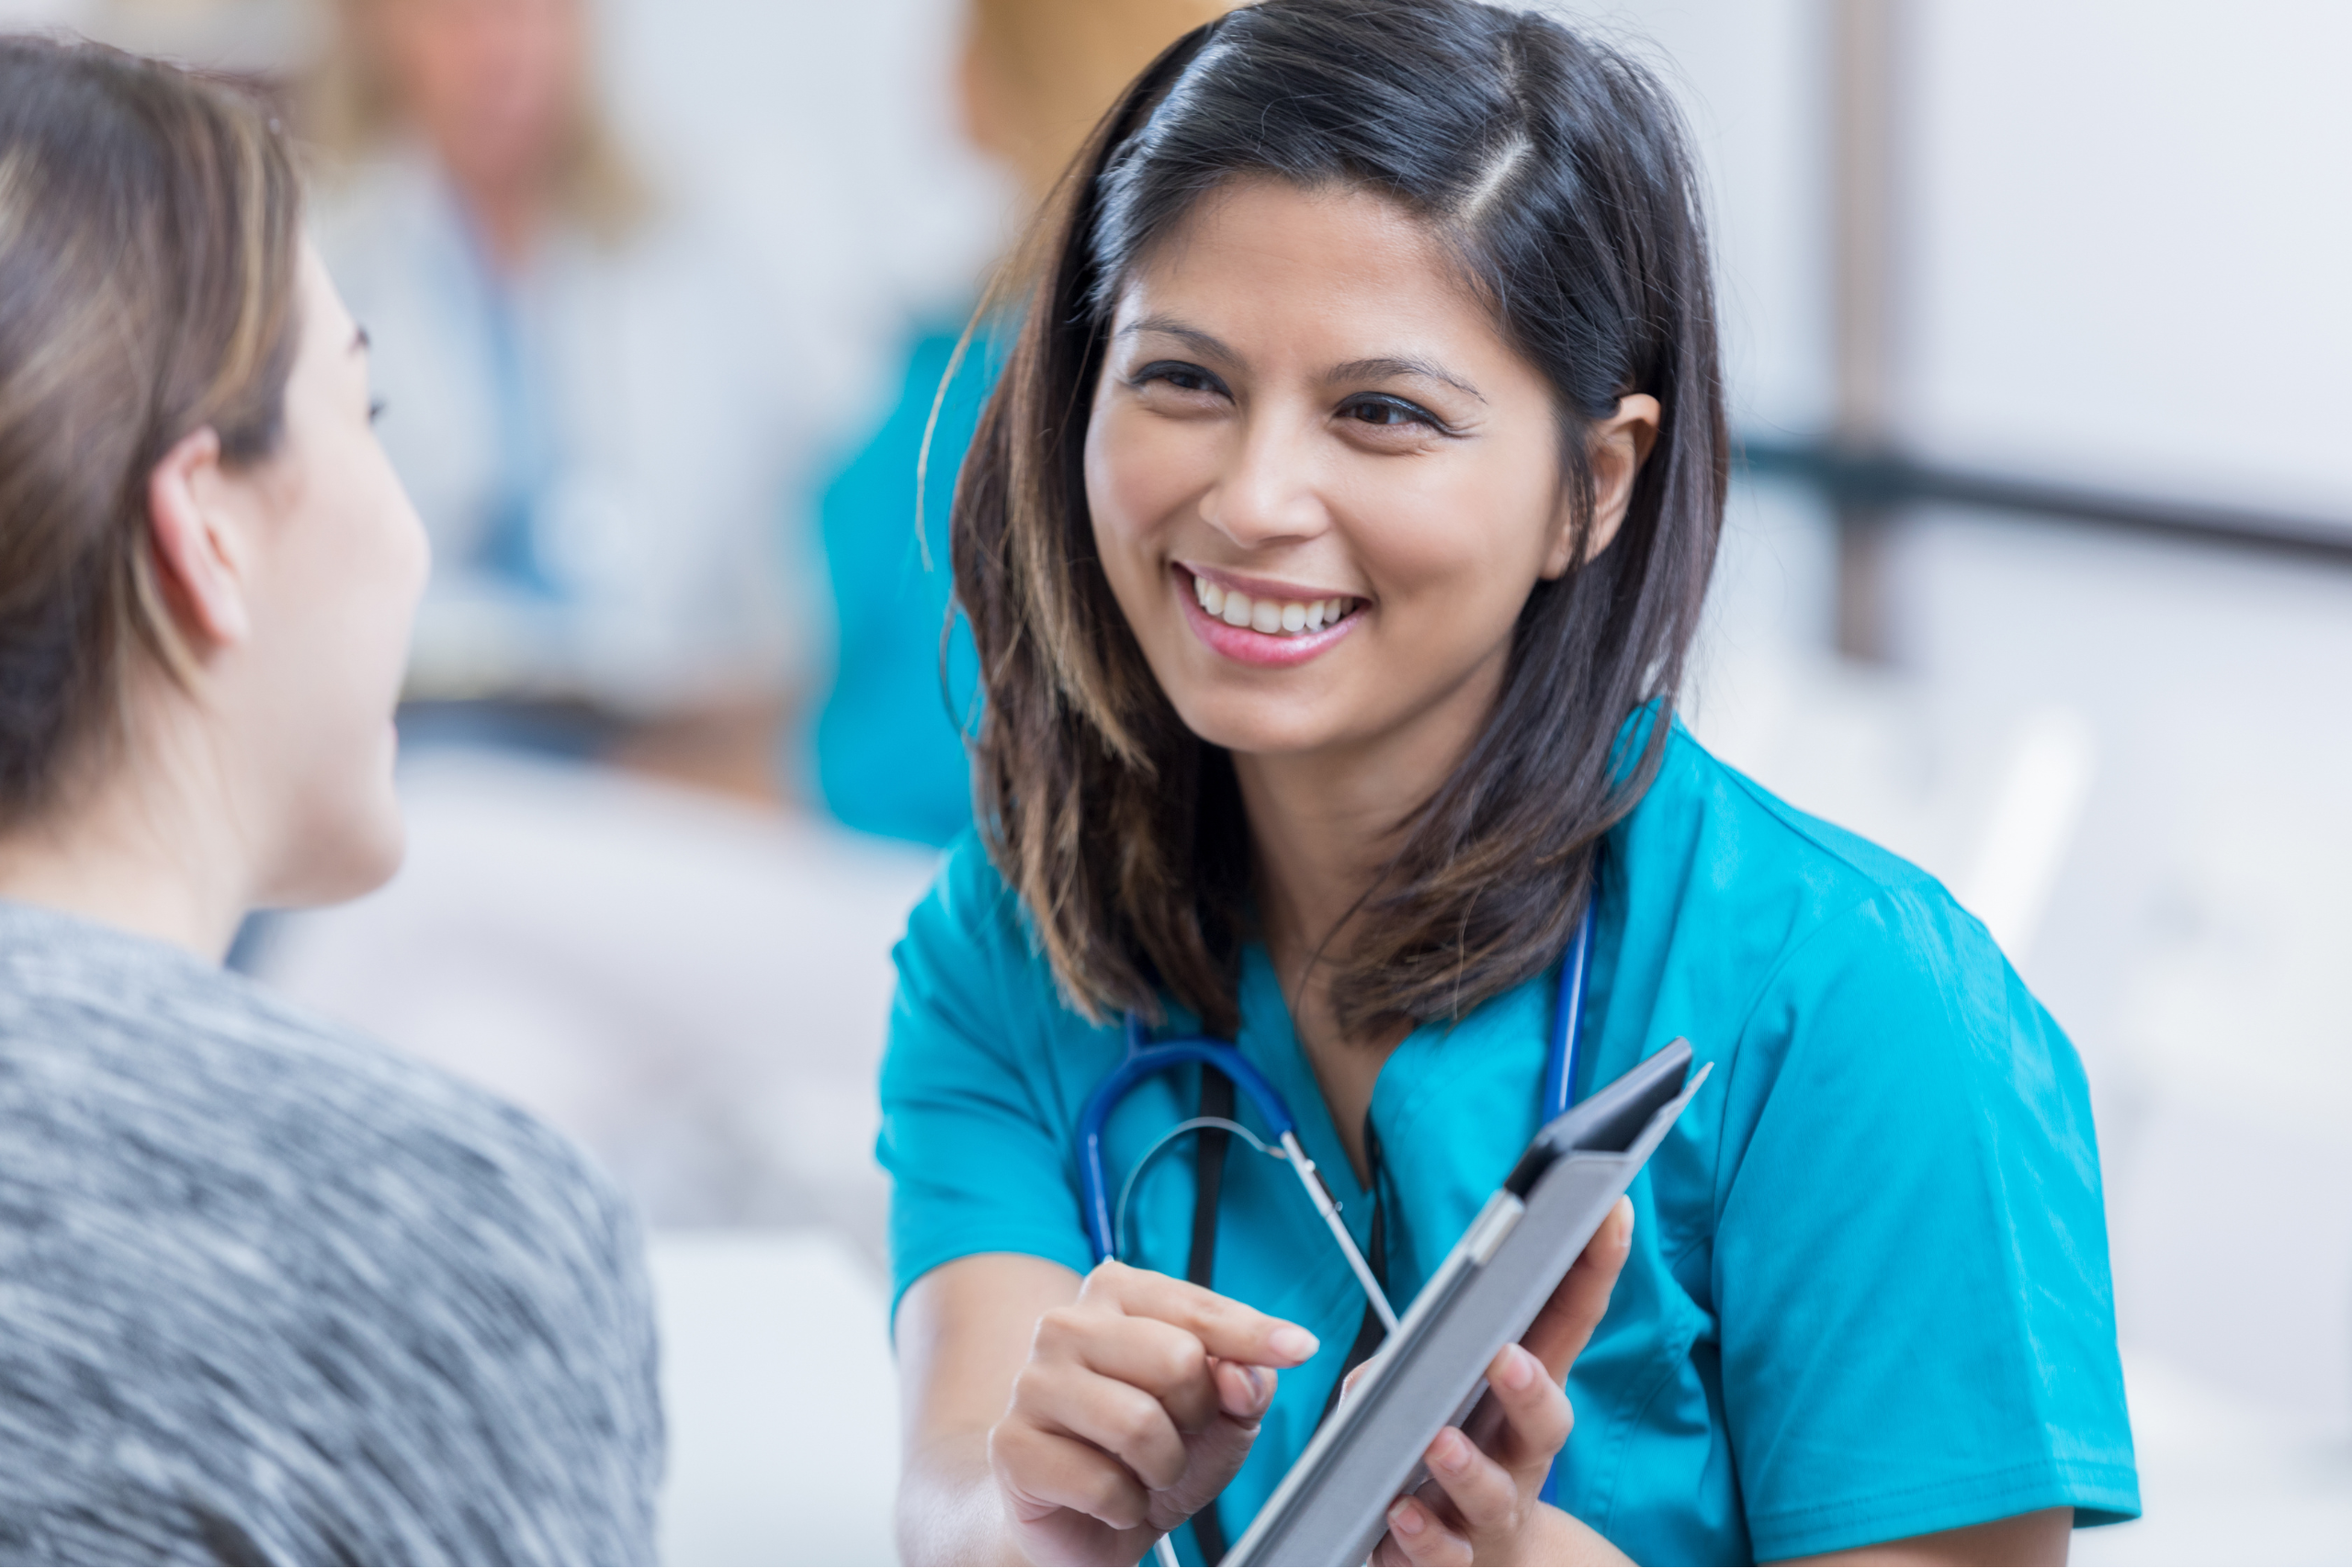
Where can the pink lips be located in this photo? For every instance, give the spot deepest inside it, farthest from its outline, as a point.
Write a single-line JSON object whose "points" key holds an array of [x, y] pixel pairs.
{"points": [[1247, 647]]}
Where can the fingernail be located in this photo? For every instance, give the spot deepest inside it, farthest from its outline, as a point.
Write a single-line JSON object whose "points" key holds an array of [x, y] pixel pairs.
{"points": [[1519, 1369], [1451, 1451], [1260, 1380], [1293, 1342], [1404, 1520]]}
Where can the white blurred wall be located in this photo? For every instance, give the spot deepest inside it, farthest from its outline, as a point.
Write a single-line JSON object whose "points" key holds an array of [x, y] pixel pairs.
{"points": [[2127, 250], [1746, 75], [829, 134]]}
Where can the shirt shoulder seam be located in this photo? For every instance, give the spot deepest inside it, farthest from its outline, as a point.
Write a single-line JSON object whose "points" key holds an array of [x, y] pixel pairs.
{"points": [[1801, 824]]}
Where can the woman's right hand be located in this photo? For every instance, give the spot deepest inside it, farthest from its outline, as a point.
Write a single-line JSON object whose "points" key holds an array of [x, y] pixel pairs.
{"points": [[1138, 1402]]}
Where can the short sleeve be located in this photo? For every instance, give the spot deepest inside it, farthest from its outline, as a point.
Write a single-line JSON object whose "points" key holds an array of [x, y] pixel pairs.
{"points": [[970, 1128], [1910, 1259]]}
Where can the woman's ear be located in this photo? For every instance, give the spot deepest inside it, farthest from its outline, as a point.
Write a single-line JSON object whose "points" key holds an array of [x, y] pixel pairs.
{"points": [[197, 549], [1617, 448]]}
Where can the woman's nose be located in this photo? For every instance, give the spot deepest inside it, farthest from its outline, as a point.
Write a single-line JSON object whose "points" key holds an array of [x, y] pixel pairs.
{"points": [[1268, 491]]}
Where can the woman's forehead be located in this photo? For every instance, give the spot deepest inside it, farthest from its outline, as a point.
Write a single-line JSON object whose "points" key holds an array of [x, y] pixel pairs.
{"points": [[1262, 252], [1338, 280]]}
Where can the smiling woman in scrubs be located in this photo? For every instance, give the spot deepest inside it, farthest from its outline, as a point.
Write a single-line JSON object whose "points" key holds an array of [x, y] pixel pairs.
{"points": [[1331, 548]]}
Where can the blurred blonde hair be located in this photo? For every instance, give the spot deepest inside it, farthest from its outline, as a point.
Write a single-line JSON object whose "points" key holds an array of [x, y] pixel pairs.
{"points": [[1053, 67], [349, 109]]}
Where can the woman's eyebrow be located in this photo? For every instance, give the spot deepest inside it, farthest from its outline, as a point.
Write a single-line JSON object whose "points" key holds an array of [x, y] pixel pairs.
{"points": [[1207, 343], [1381, 369]]}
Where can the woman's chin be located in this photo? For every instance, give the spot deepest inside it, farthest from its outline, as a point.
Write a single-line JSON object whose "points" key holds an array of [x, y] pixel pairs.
{"points": [[1256, 725], [344, 859]]}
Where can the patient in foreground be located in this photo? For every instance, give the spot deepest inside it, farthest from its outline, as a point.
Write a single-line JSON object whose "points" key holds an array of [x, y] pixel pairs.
{"points": [[267, 1292]]}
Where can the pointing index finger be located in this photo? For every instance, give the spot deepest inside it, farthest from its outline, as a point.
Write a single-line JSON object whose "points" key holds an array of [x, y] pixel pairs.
{"points": [[1225, 1328]]}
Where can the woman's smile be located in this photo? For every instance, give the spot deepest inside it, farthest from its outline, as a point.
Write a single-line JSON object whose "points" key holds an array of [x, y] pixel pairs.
{"points": [[1274, 626]]}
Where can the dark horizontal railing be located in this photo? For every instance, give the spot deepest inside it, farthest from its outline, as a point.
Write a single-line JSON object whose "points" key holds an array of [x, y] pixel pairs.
{"points": [[1879, 480]]}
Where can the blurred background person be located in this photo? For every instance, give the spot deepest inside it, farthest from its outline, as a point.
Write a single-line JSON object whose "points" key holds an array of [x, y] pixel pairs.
{"points": [[599, 411], [1032, 78]]}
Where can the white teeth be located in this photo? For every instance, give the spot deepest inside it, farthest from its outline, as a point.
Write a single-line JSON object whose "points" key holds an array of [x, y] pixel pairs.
{"points": [[1271, 617]]}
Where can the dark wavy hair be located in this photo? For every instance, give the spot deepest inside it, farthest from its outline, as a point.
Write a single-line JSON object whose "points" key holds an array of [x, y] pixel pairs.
{"points": [[1556, 171]]}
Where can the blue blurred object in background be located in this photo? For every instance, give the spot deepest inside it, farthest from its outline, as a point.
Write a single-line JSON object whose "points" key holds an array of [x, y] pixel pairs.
{"points": [[888, 739]]}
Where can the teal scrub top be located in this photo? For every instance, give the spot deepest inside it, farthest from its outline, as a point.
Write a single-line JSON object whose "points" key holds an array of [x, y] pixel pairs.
{"points": [[1868, 1296], [887, 743]]}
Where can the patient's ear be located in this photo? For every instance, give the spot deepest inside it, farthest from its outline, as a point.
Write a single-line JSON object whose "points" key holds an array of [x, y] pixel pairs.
{"points": [[196, 545]]}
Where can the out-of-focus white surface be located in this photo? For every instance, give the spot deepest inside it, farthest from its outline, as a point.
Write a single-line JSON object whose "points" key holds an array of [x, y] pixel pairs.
{"points": [[695, 990], [829, 135], [2225, 1481], [781, 1396], [2047, 770], [2126, 246], [2229, 1136], [1746, 75], [42, 13]]}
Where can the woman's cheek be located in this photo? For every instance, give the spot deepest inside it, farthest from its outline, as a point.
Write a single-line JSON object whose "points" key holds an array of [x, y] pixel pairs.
{"points": [[1477, 550], [1141, 471]]}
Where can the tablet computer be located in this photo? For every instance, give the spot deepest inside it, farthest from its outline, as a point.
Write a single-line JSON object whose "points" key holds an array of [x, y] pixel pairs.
{"points": [[1333, 1506]]}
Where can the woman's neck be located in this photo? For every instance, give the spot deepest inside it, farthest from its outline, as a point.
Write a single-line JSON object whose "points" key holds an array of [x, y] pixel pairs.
{"points": [[140, 851], [1319, 836], [1322, 825]]}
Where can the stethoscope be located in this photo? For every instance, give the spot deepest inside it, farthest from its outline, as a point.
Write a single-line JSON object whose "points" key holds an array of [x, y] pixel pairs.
{"points": [[1105, 1218]]}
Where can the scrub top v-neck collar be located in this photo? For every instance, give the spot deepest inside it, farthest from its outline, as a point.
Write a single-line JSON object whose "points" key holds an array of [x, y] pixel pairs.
{"points": [[1411, 1082]]}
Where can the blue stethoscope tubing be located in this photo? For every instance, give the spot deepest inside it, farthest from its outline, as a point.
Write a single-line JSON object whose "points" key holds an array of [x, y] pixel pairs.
{"points": [[1567, 1017], [1144, 1059]]}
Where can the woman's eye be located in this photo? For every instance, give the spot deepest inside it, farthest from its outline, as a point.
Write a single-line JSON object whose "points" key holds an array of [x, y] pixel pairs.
{"points": [[1182, 378], [1389, 413]]}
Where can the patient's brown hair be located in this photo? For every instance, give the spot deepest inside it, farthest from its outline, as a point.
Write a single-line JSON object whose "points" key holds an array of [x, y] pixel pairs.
{"points": [[149, 246]]}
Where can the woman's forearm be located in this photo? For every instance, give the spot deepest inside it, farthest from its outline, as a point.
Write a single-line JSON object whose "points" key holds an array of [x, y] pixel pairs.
{"points": [[950, 1508], [1569, 1539]]}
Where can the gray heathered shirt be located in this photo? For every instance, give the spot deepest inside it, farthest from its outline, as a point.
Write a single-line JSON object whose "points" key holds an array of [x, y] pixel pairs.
{"points": [[269, 1292]]}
